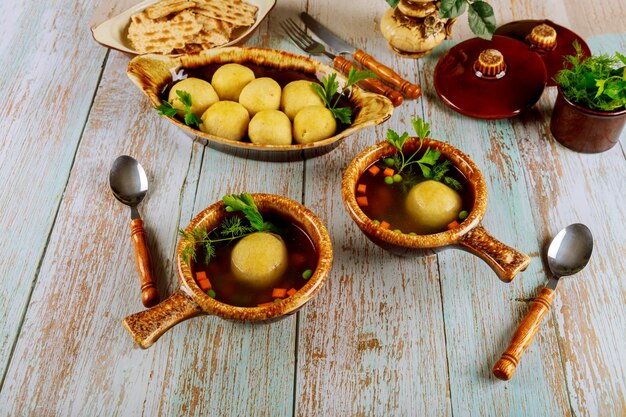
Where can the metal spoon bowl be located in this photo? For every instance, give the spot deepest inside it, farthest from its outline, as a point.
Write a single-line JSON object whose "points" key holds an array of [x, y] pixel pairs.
{"points": [[570, 250], [129, 185]]}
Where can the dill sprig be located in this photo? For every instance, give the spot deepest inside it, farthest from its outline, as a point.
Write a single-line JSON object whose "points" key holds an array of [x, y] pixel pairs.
{"points": [[230, 229]]}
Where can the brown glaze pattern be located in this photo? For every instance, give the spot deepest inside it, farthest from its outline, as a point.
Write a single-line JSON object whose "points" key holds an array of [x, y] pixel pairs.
{"points": [[504, 260], [149, 294], [152, 72], [147, 326], [371, 84], [190, 300], [523, 336]]}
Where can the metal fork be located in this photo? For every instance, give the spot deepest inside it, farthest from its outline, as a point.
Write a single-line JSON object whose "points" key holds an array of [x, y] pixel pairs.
{"points": [[309, 45]]}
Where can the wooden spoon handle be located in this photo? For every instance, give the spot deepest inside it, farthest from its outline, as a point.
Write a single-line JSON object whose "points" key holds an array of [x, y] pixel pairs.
{"points": [[371, 84], [408, 89], [149, 294], [505, 367]]}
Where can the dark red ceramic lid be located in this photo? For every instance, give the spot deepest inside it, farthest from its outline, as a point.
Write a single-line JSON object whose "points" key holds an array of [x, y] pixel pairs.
{"points": [[486, 89], [552, 56]]}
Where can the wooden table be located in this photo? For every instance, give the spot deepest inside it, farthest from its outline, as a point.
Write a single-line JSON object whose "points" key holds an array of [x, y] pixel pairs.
{"points": [[385, 336]]}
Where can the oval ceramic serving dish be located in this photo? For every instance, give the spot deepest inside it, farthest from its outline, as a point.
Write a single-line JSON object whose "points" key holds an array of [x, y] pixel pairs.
{"points": [[152, 73], [113, 33]]}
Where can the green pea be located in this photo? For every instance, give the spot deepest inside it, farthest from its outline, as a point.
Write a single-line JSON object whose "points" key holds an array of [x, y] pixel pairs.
{"points": [[376, 221], [389, 162], [463, 215], [412, 234], [211, 293], [397, 231], [307, 274], [388, 180], [278, 300], [397, 178]]}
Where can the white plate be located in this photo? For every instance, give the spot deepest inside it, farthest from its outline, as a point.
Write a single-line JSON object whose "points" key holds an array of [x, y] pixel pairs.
{"points": [[113, 32]]}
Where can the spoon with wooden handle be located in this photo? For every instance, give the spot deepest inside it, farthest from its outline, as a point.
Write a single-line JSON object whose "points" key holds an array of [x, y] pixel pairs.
{"points": [[568, 254], [129, 185]]}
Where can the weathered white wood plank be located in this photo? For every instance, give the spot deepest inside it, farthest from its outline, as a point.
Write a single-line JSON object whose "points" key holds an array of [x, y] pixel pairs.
{"points": [[50, 70], [588, 312], [72, 342], [228, 368], [372, 343], [480, 311]]}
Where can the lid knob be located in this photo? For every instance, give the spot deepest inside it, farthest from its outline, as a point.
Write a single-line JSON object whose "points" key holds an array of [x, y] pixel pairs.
{"points": [[543, 36], [490, 65]]}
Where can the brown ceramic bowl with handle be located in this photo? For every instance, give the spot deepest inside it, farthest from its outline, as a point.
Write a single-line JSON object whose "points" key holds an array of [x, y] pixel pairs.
{"points": [[190, 301], [469, 235]]}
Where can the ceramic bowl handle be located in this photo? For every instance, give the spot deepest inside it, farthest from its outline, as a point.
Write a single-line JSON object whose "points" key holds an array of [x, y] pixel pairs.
{"points": [[387, 74], [372, 84], [504, 260], [149, 294], [147, 326], [505, 367]]}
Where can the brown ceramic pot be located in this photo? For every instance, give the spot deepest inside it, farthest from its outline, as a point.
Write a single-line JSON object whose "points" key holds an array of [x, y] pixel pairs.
{"points": [[585, 130], [190, 301], [469, 235]]}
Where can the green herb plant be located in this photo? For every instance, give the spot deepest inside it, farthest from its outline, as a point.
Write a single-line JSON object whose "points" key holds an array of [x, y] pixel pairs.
{"points": [[594, 82], [430, 165], [166, 109], [479, 13], [329, 92], [231, 228]]}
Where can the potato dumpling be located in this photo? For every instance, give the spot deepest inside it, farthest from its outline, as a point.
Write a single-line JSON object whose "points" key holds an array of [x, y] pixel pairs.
{"points": [[259, 260], [433, 205], [297, 95], [270, 127], [313, 123], [230, 79], [202, 95], [226, 119], [260, 94]]}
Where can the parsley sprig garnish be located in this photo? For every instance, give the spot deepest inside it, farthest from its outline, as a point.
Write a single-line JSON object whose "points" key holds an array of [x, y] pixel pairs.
{"points": [[329, 92], [428, 163], [166, 109], [230, 229]]}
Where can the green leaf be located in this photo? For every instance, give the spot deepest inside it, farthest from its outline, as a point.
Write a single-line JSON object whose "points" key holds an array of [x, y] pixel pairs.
{"points": [[330, 86], [426, 170], [396, 140], [452, 183], [393, 3], [430, 157], [166, 109], [600, 84], [343, 114], [320, 92], [184, 97], [245, 204], [422, 129], [481, 19], [621, 57], [354, 76], [452, 8], [192, 120]]}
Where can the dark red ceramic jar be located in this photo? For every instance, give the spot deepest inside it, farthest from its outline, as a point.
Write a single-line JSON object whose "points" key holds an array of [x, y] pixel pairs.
{"points": [[585, 130]]}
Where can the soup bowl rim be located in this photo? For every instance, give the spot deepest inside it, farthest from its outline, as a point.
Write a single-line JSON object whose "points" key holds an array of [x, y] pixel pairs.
{"points": [[296, 212], [460, 160]]}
